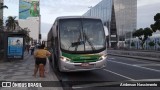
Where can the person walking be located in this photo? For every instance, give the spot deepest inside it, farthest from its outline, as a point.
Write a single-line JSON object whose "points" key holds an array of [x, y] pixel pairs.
{"points": [[40, 60], [32, 49], [27, 48]]}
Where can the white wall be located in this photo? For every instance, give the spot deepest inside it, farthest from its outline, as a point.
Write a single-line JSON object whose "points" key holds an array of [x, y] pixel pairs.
{"points": [[32, 23]]}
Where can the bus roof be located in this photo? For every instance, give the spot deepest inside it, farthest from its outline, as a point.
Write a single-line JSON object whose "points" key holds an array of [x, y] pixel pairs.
{"points": [[71, 17]]}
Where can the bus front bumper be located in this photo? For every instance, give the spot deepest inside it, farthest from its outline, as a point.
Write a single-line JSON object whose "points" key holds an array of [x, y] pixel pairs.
{"points": [[71, 67]]}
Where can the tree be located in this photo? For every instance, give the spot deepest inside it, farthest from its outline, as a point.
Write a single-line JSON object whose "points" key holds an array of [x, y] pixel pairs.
{"points": [[158, 43], [26, 31], [156, 25], [11, 23], [3, 6], [132, 44], [1, 23], [1, 20], [151, 44], [143, 35]]}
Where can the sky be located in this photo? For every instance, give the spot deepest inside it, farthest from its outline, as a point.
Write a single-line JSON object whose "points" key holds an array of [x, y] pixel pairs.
{"points": [[50, 9]]}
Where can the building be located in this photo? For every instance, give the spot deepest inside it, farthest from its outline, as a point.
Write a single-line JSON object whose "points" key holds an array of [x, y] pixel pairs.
{"points": [[32, 23], [119, 16], [29, 17]]}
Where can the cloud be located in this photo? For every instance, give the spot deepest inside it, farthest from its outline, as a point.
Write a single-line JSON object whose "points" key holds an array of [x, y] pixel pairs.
{"points": [[146, 13], [45, 27], [146, 2], [55, 8]]}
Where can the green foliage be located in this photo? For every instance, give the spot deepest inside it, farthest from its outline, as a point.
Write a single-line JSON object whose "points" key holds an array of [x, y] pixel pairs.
{"points": [[4, 6], [1, 22], [143, 35], [11, 23], [26, 31], [132, 44], [158, 43], [156, 25], [151, 44]]}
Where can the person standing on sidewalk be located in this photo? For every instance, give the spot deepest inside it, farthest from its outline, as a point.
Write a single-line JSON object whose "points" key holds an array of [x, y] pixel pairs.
{"points": [[40, 59], [32, 49], [27, 48]]}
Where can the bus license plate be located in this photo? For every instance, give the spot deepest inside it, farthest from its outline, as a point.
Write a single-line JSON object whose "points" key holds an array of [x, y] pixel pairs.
{"points": [[85, 64]]}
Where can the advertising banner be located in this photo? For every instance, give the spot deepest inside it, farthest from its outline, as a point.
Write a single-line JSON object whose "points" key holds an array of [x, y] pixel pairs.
{"points": [[28, 8], [15, 47]]}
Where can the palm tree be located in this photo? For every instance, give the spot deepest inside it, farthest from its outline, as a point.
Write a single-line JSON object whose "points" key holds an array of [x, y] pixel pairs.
{"points": [[3, 6], [1, 23], [26, 31], [11, 23], [1, 20]]}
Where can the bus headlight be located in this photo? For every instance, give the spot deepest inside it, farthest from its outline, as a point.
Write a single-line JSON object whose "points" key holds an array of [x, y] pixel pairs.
{"points": [[103, 57], [65, 59]]}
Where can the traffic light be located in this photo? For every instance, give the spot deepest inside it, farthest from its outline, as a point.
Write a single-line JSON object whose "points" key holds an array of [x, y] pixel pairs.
{"points": [[40, 36]]}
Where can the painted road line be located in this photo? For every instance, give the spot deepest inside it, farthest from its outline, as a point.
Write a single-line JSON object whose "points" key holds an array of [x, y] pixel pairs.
{"points": [[118, 74], [148, 80], [103, 83], [147, 64], [132, 59], [95, 85], [135, 66]]}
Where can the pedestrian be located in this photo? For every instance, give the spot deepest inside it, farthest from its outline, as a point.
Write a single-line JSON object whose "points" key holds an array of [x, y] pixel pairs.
{"points": [[40, 60], [27, 48], [32, 49]]}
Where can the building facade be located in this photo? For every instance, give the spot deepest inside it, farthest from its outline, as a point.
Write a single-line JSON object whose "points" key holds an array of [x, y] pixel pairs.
{"points": [[33, 24], [29, 17], [119, 16]]}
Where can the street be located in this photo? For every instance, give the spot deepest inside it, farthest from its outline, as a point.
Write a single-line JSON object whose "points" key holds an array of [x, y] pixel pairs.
{"points": [[118, 69]]}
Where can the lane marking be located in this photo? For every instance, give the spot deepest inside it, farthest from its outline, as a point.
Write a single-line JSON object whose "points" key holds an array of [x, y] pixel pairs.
{"points": [[132, 59], [111, 58], [135, 66], [148, 80], [147, 64], [118, 74], [95, 85]]}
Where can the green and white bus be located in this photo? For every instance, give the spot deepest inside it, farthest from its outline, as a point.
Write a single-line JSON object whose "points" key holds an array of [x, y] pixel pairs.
{"points": [[77, 43]]}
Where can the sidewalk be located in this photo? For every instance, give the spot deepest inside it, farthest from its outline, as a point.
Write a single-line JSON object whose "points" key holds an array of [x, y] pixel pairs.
{"points": [[22, 71]]}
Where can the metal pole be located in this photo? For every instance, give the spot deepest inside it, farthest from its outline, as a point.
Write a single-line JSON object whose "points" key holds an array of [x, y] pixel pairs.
{"points": [[39, 37]]}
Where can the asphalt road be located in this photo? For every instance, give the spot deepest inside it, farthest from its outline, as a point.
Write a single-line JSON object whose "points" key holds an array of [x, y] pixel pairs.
{"points": [[119, 70]]}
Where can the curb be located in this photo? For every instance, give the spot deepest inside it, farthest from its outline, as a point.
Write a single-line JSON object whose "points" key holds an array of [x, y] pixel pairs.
{"points": [[136, 57]]}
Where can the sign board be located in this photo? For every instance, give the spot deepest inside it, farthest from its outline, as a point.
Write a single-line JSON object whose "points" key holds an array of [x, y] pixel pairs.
{"points": [[28, 8], [15, 47]]}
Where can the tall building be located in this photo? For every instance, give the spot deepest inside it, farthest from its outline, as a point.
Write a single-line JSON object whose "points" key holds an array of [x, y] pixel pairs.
{"points": [[119, 16], [29, 17]]}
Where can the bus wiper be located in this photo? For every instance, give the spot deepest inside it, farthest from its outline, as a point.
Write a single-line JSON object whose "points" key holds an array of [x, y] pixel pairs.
{"points": [[90, 43], [77, 43]]}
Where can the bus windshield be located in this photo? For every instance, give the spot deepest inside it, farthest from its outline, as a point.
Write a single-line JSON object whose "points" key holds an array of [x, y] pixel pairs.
{"points": [[81, 35]]}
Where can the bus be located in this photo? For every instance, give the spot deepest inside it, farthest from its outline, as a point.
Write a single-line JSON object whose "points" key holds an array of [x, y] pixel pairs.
{"points": [[77, 43]]}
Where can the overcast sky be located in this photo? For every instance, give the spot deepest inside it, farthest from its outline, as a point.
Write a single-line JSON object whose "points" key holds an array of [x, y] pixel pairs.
{"points": [[50, 9]]}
